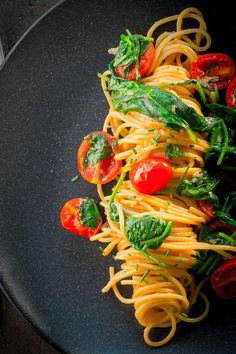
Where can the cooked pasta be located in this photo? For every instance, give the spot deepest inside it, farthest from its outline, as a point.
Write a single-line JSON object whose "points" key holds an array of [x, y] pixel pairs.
{"points": [[162, 296]]}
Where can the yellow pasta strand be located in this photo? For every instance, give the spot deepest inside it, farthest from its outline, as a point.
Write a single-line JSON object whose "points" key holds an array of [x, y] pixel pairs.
{"points": [[161, 297]]}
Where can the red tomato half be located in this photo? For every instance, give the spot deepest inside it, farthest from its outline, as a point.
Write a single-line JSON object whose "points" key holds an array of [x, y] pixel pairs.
{"points": [[231, 94], [150, 175], [213, 68], [207, 207], [144, 62], [105, 170], [70, 219], [223, 280]]}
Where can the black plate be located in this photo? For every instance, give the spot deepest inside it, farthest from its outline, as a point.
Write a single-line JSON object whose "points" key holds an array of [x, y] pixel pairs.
{"points": [[50, 98]]}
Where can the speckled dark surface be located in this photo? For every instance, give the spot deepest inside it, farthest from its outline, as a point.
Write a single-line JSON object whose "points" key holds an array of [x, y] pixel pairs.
{"points": [[51, 98]]}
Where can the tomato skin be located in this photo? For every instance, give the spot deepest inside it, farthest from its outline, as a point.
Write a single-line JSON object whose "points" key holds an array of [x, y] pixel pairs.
{"points": [[150, 175], [207, 207], [231, 94], [70, 219], [214, 68], [104, 171], [144, 62], [223, 280]]}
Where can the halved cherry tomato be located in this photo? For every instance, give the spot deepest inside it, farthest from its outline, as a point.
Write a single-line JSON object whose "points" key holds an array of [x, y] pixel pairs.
{"points": [[223, 280], [213, 68], [150, 175], [231, 94], [207, 207], [103, 171], [144, 64], [70, 219]]}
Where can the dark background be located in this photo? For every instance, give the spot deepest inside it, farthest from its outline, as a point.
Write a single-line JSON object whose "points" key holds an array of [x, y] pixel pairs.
{"points": [[16, 335]]}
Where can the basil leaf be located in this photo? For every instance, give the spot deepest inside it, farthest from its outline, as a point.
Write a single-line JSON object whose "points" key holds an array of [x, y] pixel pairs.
{"points": [[100, 149], [89, 214]]}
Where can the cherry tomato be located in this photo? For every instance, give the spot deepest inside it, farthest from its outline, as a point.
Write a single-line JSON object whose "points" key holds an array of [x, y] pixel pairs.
{"points": [[144, 62], [223, 280], [105, 170], [70, 219], [207, 207], [231, 94], [213, 68], [150, 175]]}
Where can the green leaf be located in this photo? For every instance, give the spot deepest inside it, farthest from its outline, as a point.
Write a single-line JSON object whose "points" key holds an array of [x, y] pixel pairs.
{"points": [[199, 188], [226, 113], [100, 149], [89, 214], [155, 103], [207, 261], [147, 233], [131, 47], [227, 212]]}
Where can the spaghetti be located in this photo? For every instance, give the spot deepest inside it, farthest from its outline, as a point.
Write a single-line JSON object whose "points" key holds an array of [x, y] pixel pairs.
{"points": [[161, 296]]}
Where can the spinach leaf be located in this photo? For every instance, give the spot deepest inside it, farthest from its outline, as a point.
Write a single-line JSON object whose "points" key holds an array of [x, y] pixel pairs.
{"points": [[199, 188], [131, 47], [172, 151], [147, 233], [89, 214], [207, 261], [216, 126], [155, 103], [226, 113], [99, 150], [228, 210]]}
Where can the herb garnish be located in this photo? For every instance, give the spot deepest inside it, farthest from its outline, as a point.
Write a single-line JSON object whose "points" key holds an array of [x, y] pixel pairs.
{"points": [[172, 151], [144, 277]]}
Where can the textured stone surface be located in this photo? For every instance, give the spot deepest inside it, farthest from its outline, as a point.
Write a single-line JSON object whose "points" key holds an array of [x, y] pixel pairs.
{"points": [[17, 336], [16, 16]]}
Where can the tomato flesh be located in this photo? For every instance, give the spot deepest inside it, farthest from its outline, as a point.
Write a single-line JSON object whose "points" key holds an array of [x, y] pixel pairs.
{"points": [[207, 207], [144, 64], [105, 170], [231, 94], [70, 219], [216, 69], [223, 280], [150, 175]]}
